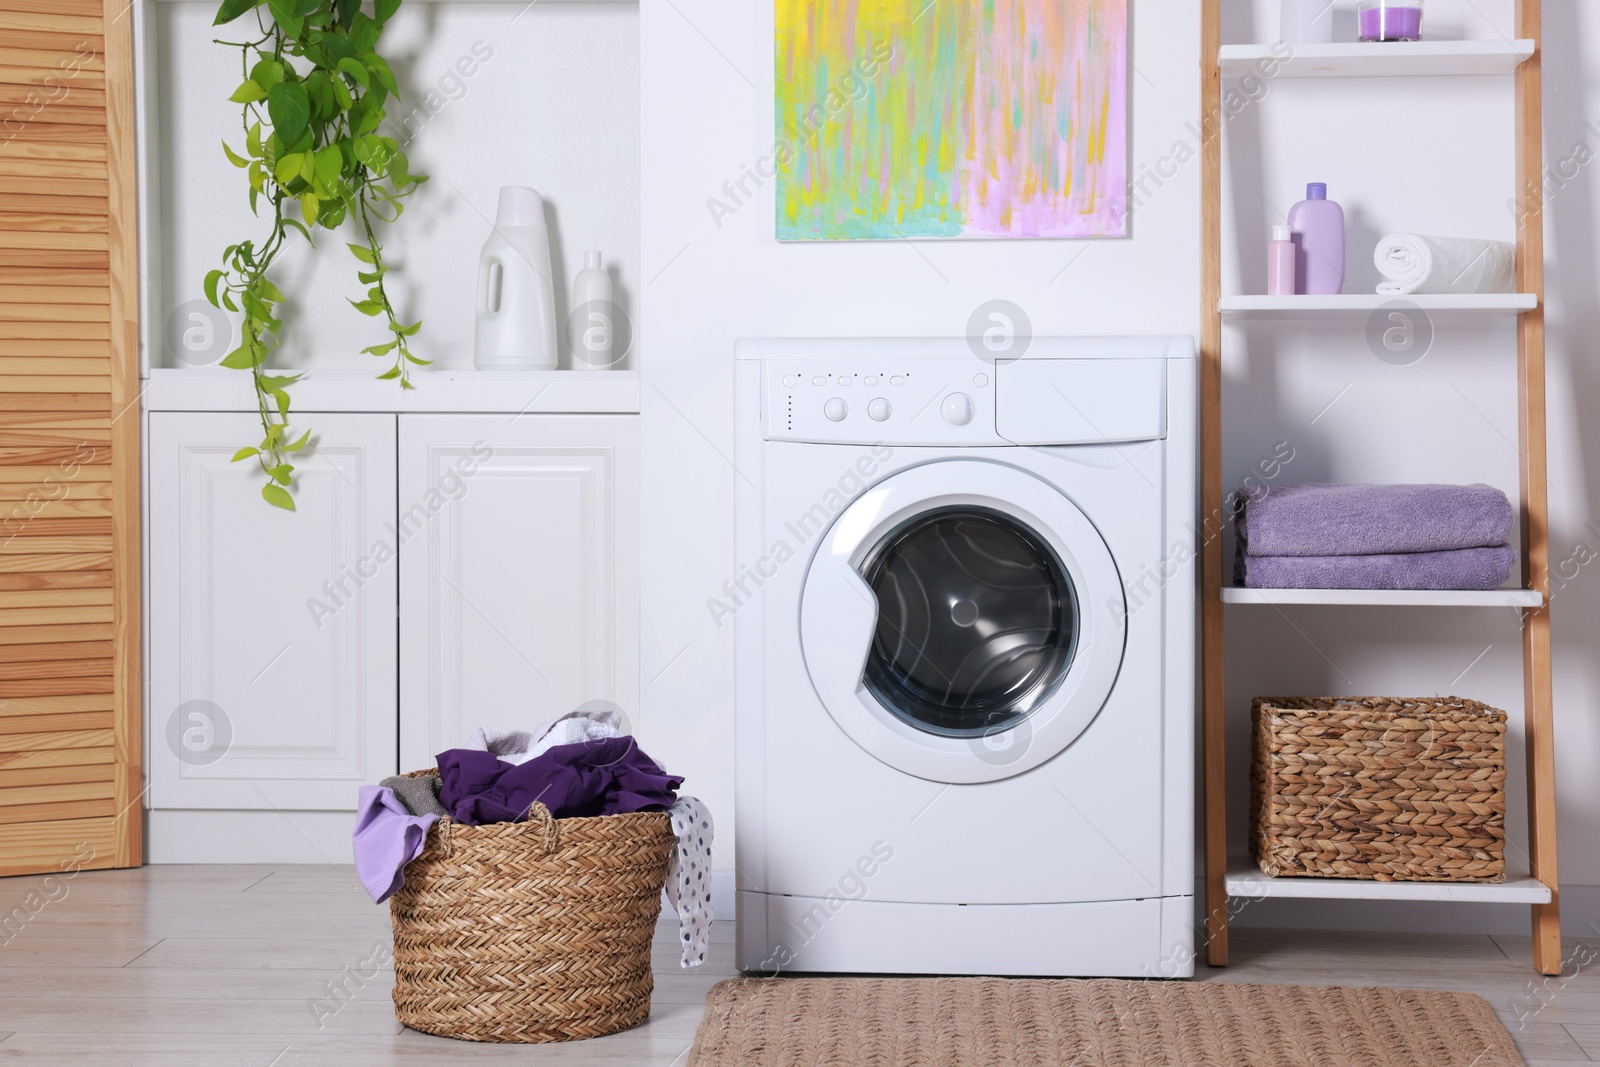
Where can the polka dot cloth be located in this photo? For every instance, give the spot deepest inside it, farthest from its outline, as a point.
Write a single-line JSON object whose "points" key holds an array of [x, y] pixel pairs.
{"points": [[689, 877]]}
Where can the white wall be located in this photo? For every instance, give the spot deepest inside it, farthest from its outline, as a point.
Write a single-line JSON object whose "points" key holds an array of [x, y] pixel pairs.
{"points": [[1426, 156], [708, 115], [551, 101], [572, 80]]}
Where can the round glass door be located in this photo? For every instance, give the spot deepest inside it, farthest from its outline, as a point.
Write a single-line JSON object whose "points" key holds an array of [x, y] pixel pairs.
{"points": [[977, 621], [958, 600]]}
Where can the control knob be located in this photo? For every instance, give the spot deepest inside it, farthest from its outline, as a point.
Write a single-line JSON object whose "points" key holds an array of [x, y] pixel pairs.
{"points": [[956, 409]]}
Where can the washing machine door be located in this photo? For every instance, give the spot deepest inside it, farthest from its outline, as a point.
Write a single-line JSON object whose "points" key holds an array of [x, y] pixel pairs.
{"points": [[963, 621]]}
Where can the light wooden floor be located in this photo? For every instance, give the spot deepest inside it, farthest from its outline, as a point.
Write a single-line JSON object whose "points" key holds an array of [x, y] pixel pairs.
{"points": [[176, 966]]}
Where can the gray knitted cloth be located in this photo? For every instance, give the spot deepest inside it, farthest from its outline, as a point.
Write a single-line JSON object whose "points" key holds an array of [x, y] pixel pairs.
{"points": [[419, 795]]}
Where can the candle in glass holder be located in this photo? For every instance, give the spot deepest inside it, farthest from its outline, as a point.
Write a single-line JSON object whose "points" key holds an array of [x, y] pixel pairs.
{"points": [[1389, 20]]}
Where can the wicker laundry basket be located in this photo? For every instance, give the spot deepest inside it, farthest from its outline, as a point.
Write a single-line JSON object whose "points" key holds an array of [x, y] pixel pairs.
{"points": [[1381, 788], [531, 931]]}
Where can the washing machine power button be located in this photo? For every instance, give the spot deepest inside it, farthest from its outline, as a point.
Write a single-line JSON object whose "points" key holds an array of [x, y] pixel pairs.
{"points": [[836, 410]]}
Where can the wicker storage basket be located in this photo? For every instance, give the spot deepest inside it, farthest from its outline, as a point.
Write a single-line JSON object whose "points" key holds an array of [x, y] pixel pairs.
{"points": [[531, 931], [1381, 788]]}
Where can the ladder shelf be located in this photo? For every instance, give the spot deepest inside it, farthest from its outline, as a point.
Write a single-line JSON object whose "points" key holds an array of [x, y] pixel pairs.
{"points": [[1228, 878]]}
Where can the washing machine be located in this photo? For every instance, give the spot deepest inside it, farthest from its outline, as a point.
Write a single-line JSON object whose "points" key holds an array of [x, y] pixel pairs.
{"points": [[965, 618]]}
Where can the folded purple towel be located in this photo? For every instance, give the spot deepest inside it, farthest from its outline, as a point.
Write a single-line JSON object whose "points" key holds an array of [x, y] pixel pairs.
{"points": [[1323, 519], [1462, 568]]}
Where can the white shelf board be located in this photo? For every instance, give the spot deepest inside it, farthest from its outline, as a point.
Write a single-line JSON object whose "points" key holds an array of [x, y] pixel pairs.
{"points": [[1393, 59], [1245, 880], [505, 392], [1442, 598], [1498, 303]]}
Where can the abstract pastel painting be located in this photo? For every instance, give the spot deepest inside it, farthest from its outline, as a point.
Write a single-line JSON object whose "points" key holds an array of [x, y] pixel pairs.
{"points": [[951, 118]]}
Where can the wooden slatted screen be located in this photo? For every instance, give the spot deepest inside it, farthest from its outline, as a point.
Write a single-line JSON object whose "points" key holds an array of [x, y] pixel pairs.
{"points": [[70, 679]]}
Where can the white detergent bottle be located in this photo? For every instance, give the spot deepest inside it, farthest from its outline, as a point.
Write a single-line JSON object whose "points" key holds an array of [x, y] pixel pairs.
{"points": [[591, 327], [516, 327]]}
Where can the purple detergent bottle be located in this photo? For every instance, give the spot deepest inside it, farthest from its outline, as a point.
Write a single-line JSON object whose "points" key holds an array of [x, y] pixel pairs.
{"points": [[1318, 225]]}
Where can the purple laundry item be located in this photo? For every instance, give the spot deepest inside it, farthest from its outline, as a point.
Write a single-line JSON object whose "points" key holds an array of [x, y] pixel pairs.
{"points": [[386, 838], [1463, 568], [1328, 519], [608, 776]]}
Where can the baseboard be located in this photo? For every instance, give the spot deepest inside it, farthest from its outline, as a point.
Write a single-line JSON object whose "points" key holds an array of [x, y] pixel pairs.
{"points": [[721, 895], [178, 836], [324, 837], [1580, 913]]}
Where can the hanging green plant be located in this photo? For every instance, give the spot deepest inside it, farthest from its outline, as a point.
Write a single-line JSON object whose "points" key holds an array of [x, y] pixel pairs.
{"points": [[313, 100]]}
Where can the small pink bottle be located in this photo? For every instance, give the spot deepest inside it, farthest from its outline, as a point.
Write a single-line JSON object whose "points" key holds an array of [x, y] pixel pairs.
{"points": [[1280, 262]]}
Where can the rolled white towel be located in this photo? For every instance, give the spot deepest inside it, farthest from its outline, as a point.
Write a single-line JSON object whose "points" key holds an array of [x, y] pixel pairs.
{"points": [[1414, 263]]}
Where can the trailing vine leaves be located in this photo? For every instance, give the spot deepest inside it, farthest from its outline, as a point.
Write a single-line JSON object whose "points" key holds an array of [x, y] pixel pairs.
{"points": [[312, 103]]}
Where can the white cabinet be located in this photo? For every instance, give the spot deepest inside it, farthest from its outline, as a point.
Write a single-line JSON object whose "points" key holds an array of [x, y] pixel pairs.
{"points": [[282, 623], [441, 571], [518, 571]]}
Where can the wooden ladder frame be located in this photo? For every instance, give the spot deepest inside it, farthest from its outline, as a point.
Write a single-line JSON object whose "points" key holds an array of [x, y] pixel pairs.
{"points": [[1537, 709]]}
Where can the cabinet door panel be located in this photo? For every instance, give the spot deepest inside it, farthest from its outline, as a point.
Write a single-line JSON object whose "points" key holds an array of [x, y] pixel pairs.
{"points": [[273, 632], [518, 574]]}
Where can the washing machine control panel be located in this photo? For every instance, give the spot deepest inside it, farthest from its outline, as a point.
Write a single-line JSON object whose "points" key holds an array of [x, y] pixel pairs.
{"points": [[908, 402]]}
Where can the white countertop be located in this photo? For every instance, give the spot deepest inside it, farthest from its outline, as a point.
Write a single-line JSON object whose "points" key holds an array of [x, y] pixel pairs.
{"points": [[560, 391]]}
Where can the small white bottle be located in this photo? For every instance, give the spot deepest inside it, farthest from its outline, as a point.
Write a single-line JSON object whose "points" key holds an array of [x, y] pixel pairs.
{"points": [[1281, 276], [516, 314], [1306, 22], [591, 326]]}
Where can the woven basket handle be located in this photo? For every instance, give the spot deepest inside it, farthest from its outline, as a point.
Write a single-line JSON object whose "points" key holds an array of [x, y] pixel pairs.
{"points": [[540, 821], [441, 834]]}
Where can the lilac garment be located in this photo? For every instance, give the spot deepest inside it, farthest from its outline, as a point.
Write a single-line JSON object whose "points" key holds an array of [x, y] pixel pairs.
{"points": [[1465, 568], [386, 838], [1323, 519], [604, 777]]}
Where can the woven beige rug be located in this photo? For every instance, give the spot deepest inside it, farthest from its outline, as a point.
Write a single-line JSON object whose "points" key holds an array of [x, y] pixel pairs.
{"points": [[1000, 1022]]}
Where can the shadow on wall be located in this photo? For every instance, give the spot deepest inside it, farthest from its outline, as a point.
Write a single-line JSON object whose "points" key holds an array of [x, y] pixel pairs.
{"points": [[1572, 378], [430, 93]]}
